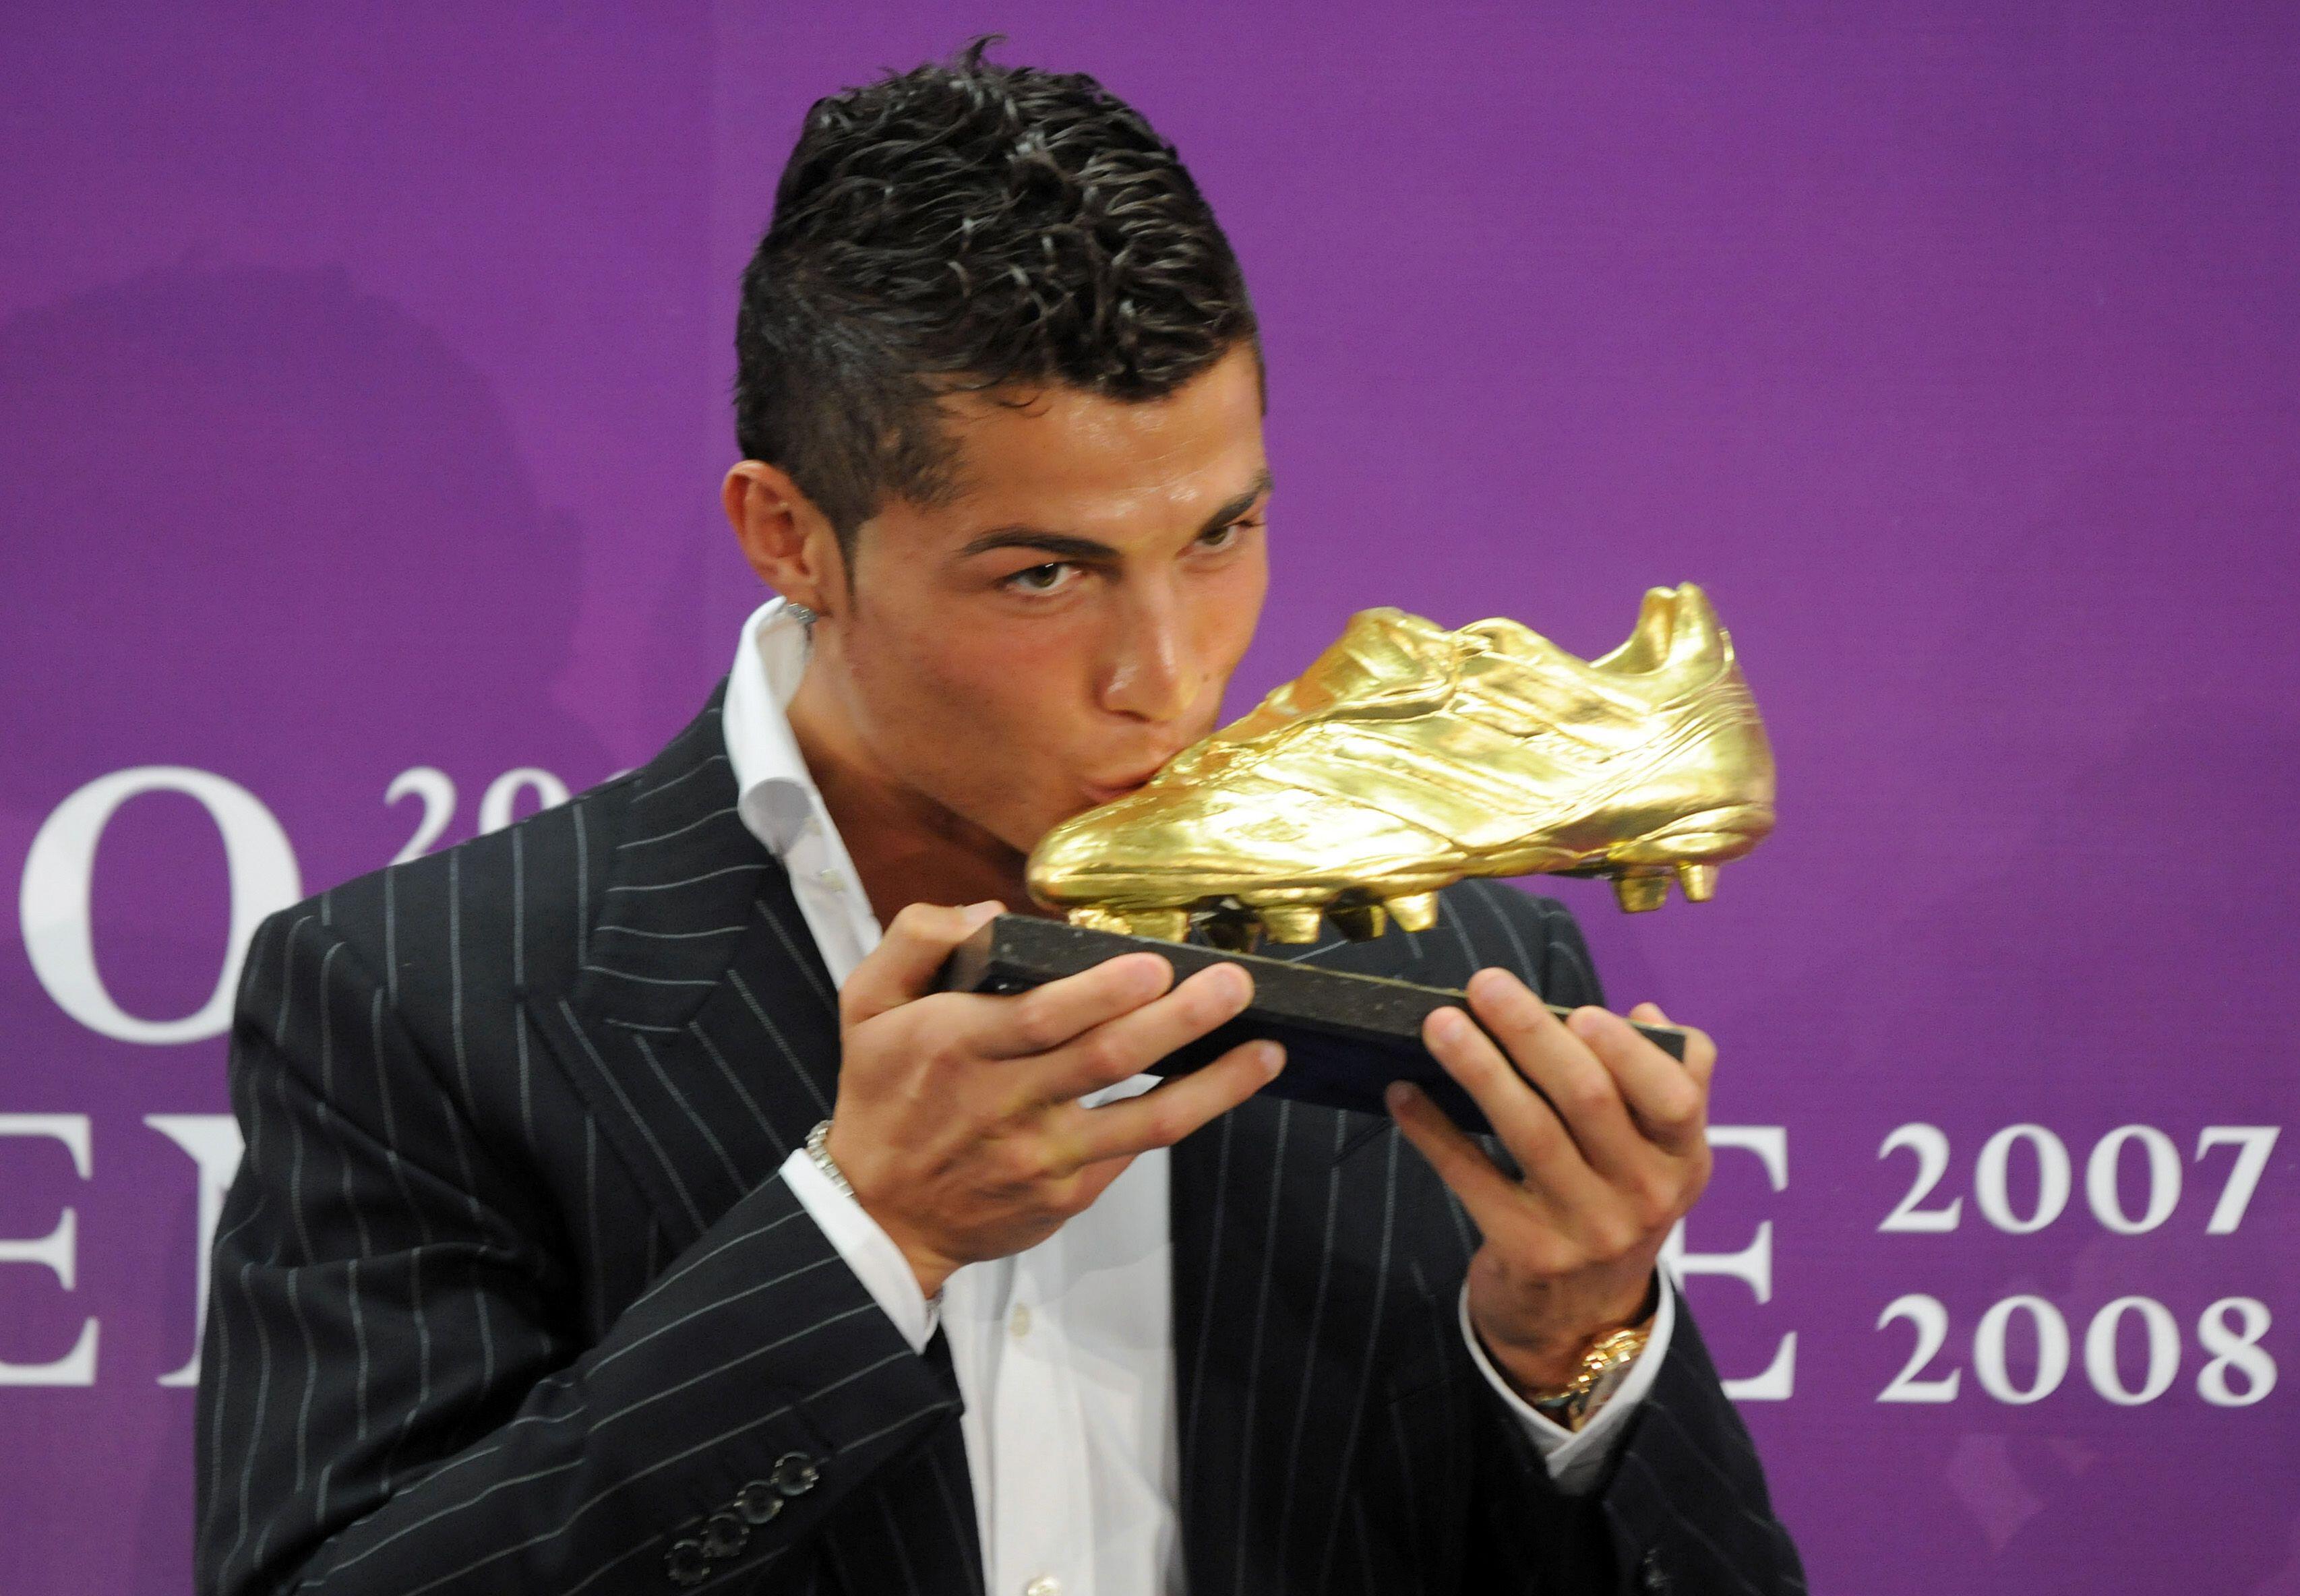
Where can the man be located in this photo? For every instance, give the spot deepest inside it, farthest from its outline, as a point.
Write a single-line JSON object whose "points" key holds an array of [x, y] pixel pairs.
{"points": [[623, 1210]]}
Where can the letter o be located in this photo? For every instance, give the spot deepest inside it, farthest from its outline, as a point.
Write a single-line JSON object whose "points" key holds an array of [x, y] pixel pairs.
{"points": [[59, 938]]}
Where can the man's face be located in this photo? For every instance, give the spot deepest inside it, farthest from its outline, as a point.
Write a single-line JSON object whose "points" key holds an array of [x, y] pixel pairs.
{"points": [[1045, 642]]}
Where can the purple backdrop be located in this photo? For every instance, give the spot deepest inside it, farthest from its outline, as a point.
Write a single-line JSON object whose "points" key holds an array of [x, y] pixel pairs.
{"points": [[362, 412]]}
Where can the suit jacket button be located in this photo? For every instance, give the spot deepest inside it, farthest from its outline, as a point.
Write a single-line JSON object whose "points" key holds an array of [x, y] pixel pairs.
{"points": [[1651, 1575], [687, 1563], [795, 1472], [758, 1502], [724, 1534]]}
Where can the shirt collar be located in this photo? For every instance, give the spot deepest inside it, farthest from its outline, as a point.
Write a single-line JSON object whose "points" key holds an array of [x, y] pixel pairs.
{"points": [[774, 792]]}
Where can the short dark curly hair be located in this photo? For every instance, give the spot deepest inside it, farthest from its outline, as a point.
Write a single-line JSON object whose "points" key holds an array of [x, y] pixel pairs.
{"points": [[966, 226]]}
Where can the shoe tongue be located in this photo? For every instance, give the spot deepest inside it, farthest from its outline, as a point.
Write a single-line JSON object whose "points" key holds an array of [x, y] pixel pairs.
{"points": [[1385, 665], [1384, 659]]}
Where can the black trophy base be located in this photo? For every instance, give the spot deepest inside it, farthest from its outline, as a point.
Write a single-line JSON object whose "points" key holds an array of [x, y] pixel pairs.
{"points": [[1346, 1037]]}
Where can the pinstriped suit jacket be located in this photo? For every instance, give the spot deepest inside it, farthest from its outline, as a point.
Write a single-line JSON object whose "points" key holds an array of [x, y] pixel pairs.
{"points": [[507, 1295]]}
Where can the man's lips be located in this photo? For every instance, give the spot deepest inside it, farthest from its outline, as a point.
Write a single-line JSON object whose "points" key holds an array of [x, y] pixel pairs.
{"points": [[1110, 792]]}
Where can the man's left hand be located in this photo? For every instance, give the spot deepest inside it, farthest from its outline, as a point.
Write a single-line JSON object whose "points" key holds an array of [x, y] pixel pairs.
{"points": [[1612, 1135]]}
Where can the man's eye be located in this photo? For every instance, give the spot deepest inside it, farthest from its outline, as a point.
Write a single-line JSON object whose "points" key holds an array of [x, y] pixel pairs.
{"points": [[1041, 579], [1222, 537]]}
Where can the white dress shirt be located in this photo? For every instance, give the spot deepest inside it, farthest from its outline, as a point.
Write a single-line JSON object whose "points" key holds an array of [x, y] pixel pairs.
{"points": [[1064, 1353]]}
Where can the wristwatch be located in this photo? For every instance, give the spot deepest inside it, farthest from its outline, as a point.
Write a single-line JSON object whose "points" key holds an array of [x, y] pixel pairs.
{"points": [[1606, 1363]]}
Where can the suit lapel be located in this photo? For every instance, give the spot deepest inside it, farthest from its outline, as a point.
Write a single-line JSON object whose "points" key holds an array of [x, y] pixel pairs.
{"points": [[1283, 1224], [702, 1028]]}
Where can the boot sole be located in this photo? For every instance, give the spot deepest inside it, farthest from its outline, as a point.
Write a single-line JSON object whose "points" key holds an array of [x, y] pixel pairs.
{"points": [[1687, 851]]}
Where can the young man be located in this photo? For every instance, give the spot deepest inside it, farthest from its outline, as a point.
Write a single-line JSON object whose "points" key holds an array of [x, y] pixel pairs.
{"points": [[622, 1211]]}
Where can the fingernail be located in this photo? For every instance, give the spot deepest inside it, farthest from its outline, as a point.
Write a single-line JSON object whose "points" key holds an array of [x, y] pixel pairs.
{"points": [[1396, 1094], [1497, 982], [1586, 1022], [1273, 1058], [988, 909]]}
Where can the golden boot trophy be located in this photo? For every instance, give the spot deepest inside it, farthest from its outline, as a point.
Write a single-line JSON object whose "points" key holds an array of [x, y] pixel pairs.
{"points": [[1408, 757]]}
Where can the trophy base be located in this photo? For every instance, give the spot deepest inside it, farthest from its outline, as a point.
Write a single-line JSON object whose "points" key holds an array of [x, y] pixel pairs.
{"points": [[1346, 1037]]}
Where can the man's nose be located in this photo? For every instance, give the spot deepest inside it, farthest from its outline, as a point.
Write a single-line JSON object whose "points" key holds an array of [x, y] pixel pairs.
{"points": [[1152, 673]]}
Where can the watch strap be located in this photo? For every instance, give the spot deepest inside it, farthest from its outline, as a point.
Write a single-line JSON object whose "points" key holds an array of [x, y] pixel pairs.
{"points": [[1604, 1364]]}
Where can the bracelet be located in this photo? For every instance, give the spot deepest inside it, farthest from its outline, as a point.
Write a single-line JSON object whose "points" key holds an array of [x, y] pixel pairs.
{"points": [[818, 1148], [1603, 1364]]}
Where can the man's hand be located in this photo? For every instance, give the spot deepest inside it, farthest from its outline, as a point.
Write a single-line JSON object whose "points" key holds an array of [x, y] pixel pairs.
{"points": [[958, 1123], [1612, 1135]]}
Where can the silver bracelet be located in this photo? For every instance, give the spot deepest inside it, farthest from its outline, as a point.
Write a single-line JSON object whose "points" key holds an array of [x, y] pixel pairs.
{"points": [[818, 1148]]}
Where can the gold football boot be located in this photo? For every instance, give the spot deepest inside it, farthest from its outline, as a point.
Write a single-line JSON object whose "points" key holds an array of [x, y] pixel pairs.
{"points": [[1408, 757]]}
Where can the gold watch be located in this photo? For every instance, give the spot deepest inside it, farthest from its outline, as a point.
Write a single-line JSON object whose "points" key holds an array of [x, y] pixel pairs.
{"points": [[1606, 1363]]}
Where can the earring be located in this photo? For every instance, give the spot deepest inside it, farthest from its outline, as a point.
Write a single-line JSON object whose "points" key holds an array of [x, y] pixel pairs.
{"points": [[800, 614]]}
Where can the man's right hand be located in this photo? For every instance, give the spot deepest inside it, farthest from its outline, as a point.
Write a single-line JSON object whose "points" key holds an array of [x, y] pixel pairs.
{"points": [[958, 1123]]}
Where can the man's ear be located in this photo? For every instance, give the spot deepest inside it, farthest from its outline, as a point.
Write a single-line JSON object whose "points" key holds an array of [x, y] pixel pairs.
{"points": [[786, 538]]}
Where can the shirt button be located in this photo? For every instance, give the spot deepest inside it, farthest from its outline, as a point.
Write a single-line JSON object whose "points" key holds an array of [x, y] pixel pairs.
{"points": [[1018, 1325], [1045, 1584]]}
